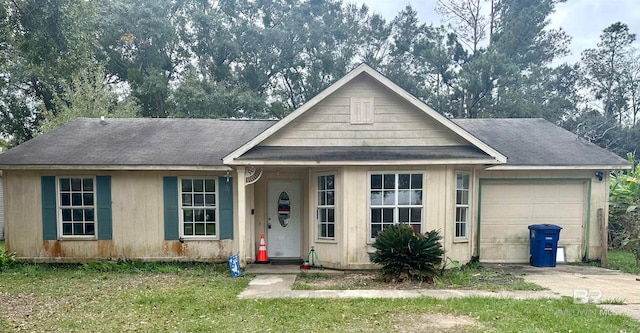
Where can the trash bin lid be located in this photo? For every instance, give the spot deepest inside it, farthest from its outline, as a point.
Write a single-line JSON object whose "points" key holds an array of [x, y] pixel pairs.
{"points": [[545, 227]]}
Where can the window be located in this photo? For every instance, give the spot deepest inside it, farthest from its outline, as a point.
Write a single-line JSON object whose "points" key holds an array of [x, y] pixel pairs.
{"points": [[395, 198], [198, 207], [462, 205], [326, 207], [77, 206]]}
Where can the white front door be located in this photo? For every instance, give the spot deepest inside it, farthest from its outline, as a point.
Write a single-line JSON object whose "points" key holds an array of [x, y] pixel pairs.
{"points": [[283, 220]]}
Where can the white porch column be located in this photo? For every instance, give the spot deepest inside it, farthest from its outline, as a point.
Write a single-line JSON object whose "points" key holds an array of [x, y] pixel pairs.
{"points": [[239, 232]]}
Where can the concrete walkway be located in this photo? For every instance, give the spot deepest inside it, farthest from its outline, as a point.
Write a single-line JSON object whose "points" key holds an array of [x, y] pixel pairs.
{"points": [[279, 286], [582, 283]]}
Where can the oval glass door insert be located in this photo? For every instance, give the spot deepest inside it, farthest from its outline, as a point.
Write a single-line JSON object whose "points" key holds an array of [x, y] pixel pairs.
{"points": [[284, 209]]}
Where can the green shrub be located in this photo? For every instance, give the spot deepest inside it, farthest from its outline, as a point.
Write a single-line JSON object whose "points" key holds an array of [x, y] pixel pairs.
{"points": [[7, 259], [407, 255]]}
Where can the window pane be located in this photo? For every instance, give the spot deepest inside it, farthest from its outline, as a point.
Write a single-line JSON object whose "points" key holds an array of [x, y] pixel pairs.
{"points": [[188, 229], [390, 181], [322, 198], [330, 198], [187, 185], [210, 215], [387, 215], [78, 229], [211, 229], [210, 199], [322, 215], [376, 182], [89, 215], [416, 197], [416, 181], [416, 228], [389, 198], [89, 229], [416, 214], [198, 200], [376, 198], [66, 214], [67, 229], [76, 199], [403, 215], [200, 229], [87, 199], [330, 182], [321, 183], [187, 215], [198, 186], [65, 199], [210, 185], [330, 231], [186, 200], [87, 185], [78, 215], [375, 229], [376, 215], [65, 184], [330, 215], [198, 215], [404, 197], [76, 185], [403, 181]]}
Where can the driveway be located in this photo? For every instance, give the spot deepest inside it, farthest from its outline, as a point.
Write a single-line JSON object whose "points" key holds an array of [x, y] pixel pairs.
{"points": [[586, 284]]}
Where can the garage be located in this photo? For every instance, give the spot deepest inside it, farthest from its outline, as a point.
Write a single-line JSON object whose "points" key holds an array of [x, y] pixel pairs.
{"points": [[507, 208]]}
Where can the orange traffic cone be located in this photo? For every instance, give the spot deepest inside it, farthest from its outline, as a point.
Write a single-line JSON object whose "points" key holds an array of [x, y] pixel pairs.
{"points": [[262, 252]]}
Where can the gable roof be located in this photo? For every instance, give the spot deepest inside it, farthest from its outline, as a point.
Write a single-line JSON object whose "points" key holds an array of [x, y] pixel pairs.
{"points": [[364, 69], [140, 143], [536, 143]]}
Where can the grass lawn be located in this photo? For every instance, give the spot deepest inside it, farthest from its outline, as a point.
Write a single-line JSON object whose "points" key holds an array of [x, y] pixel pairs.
{"points": [[157, 297], [624, 261]]}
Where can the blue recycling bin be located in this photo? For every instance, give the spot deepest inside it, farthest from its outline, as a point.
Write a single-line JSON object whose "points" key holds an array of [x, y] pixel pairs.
{"points": [[543, 239]]}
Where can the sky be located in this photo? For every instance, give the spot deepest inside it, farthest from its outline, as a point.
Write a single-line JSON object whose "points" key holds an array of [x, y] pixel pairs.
{"points": [[583, 20]]}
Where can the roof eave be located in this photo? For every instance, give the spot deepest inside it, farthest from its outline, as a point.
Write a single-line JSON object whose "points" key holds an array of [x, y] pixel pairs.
{"points": [[507, 167], [117, 167], [368, 162]]}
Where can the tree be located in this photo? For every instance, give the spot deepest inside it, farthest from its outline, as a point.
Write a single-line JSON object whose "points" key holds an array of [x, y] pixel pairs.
{"points": [[470, 22], [43, 43], [89, 95], [606, 70]]}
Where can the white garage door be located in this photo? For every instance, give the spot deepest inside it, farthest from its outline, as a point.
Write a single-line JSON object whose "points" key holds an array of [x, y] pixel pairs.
{"points": [[508, 208]]}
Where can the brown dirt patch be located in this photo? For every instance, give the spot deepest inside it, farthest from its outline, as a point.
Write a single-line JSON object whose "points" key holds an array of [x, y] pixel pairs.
{"points": [[437, 322]]}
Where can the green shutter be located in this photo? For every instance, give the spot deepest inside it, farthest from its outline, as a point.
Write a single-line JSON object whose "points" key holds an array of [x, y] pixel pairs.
{"points": [[103, 188], [171, 220], [49, 211], [225, 202]]}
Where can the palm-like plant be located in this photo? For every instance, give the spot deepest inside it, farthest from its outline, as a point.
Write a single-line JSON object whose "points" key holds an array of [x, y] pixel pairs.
{"points": [[407, 255]]}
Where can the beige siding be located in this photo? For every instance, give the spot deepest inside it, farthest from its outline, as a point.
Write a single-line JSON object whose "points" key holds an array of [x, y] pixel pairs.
{"points": [[395, 122], [137, 222], [352, 244]]}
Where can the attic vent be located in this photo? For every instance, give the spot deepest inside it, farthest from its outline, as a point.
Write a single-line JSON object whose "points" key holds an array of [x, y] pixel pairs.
{"points": [[362, 110]]}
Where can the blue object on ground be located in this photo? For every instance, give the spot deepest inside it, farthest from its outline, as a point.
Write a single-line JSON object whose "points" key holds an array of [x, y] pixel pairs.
{"points": [[234, 265], [543, 240]]}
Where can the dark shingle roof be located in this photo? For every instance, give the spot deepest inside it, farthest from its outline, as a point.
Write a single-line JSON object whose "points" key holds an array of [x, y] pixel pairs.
{"points": [[538, 142], [140, 142], [274, 153]]}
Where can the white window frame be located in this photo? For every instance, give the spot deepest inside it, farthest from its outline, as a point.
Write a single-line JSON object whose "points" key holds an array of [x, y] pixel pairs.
{"points": [[60, 208], [319, 206], [396, 207], [459, 223], [204, 208]]}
